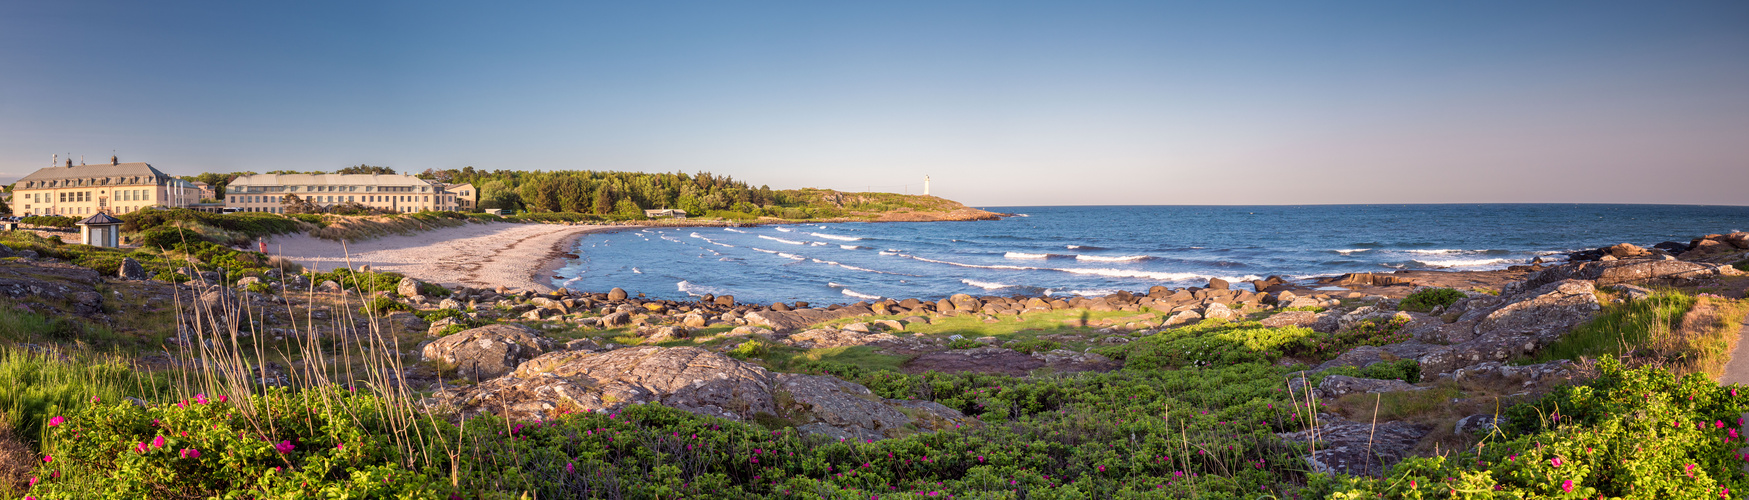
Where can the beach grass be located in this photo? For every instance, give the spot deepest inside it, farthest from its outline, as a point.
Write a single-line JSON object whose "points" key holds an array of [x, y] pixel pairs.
{"points": [[1681, 332]]}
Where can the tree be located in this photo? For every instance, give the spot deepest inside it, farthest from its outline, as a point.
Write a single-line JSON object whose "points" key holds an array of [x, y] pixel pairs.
{"points": [[297, 205], [366, 169], [5, 209], [498, 194]]}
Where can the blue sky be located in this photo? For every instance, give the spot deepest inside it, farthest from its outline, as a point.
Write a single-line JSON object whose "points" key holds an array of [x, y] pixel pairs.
{"points": [[1003, 103]]}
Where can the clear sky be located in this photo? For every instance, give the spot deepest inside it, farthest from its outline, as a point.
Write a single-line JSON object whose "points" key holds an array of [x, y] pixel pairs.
{"points": [[1002, 102]]}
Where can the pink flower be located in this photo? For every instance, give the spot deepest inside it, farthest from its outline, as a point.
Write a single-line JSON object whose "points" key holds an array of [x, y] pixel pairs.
{"points": [[340, 446], [140, 448], [1718, 424], [222, 398], [190, 453], [571, 467], [48, 458], [284, 447], [58, 420], [33, 482], [95, 399], [1567, 486], [158, 442], [1556, 462]]}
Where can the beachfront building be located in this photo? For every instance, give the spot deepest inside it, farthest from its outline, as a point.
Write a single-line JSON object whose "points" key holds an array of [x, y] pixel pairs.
{"points": [[395, 193], [466, 198], [665, 213], [114, 187]]}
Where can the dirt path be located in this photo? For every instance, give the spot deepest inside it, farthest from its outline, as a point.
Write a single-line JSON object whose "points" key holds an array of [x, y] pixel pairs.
{"points": [[519, 256], [1737, 370]]}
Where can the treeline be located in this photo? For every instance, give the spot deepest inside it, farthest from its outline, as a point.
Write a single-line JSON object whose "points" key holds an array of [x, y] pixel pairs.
{"points": [[615, 193], [219, 181]]}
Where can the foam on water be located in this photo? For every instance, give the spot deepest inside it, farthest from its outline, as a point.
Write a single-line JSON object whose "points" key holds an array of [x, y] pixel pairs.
{"points": [[784, 229], [694, 290], [836, 237], [781, 240], [1123, 258], [985, 285], [853, 293], [1026, 256], [733, 230]]}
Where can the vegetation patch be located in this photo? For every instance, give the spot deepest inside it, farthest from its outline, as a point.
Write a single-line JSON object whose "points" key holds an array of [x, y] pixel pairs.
{"points": [[1427, 299]]}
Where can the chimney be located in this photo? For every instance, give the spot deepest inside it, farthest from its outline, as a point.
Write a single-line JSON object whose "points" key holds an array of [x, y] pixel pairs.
{"points": [[69, 162], [113, 160]]}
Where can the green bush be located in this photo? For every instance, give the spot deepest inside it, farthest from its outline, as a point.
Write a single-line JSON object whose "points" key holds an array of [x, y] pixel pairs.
{"points": [[1742, 265], [40, 386], [751, 349], [1640, 433], [1427, 299], [1033, 346], [248, 224], [964, 344], [49, 220], [382, 305], [1407, 370]]}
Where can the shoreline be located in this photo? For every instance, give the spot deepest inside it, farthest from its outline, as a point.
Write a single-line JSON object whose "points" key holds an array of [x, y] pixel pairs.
{"points": [[489, 255]]}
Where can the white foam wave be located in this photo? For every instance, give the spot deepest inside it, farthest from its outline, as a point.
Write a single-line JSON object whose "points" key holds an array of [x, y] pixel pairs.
{"points": [[1465, 262], [781, 240], [889, 253], [791, 255], [852, 247], [836, 237], [1083, 293], [985, 285], [1437, 251], [1026, 256], [636, 271], [853, 293], [1107, 272], [1123, 258], [784, 229], [1351, 251], [733, 230], [696, 290], [756, 249], [818, 243]]}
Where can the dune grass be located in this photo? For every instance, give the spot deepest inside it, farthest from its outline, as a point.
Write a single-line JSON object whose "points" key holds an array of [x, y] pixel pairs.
{"points": [[39, 385], [1684, 333]]}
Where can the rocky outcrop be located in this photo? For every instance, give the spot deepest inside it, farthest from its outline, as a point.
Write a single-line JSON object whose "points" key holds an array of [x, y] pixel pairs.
{"points": [[1335, 386], [131, 270], [1604, 273], [1545, 312], [488, 351], [788, 321], [825, 338], [698, 381], [1339, 446], [408, 287]]}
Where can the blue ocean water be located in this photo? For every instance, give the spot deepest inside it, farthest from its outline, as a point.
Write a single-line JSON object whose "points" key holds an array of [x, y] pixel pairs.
{"points": [[1097, 250]]}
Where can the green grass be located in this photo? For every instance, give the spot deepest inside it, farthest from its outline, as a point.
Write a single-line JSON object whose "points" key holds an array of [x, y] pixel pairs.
{"points": [[1622, 329], [40, 386]]}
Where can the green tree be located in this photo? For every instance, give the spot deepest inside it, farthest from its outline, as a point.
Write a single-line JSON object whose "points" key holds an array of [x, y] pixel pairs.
{"points": [[366, 169], [499, 194]]}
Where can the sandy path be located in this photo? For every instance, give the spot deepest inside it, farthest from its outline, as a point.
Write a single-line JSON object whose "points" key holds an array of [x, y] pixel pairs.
{"points": [[520, 256]]}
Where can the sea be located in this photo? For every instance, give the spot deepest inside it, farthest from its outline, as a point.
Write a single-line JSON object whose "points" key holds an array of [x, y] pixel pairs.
{"points": [[1098, 250]]}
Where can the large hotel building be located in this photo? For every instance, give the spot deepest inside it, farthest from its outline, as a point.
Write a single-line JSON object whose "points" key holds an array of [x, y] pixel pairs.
{"points": [[114, 187], [396, 193]]}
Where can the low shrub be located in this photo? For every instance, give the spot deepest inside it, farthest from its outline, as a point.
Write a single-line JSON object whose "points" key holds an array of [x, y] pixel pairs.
{"points": [[1426, 299], [751, 349], [49, 220], [382, 305], [964, 344], [1407, 370]]}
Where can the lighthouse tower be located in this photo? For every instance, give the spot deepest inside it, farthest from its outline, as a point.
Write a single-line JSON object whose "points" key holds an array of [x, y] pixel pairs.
{"points": [[925, 185]]}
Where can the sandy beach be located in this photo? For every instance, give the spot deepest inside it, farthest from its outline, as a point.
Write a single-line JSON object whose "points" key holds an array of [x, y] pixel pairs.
{"points": [[519, 256]]}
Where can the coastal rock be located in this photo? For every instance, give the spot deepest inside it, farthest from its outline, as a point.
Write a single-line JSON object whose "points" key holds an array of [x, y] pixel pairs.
{"points": [[1631, 292], [408, 287], [616, 294], [130, 269], [488, 351], [1183, 317], [329, 286], [449, 304], [1626, 251], [667, 333], [1218, 284], [965, 303], [1335, 386], [1604, 273], [723, 300], [6, 251], [787, 321], [1364, 356], [244, 282], [1506, 376], [1476, 424], [1291, 318], [827, 338], [1737, 239], [979, 360], [1066, 361], [698, 381], [1545, 312], [437, 327], [1218, 310], [616, 319], [1358, 449]]}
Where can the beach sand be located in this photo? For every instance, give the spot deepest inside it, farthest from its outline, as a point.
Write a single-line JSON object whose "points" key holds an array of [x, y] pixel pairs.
{"points": [[519, 256]]}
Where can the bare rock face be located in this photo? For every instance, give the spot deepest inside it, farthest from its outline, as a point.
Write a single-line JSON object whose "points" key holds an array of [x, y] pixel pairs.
{"points": [[1604, 273], [616, 319], [488, 351], [1505, 376], [130, 269], [616, 294], [1291, 318], [1355, 448], [668, 333], [1626, 251], [1545, 312], [825, 338], [1335, 386], [788, 321], [698, 381]]}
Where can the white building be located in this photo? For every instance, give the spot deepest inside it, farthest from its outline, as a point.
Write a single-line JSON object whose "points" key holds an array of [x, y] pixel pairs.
{"points": [[396, 193]]}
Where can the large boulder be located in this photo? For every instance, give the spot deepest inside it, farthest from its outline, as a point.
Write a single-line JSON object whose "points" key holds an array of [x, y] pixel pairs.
{"points": [[1545, 312], [698, 381], [616, 294], [408, 287], [489, 351], [1358, 448], [1626, 251], [1335, 386], [130, 269]]}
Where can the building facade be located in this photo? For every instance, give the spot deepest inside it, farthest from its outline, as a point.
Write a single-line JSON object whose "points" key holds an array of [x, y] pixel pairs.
{"points": [[113, 188], [467, 199], [395, 193]]}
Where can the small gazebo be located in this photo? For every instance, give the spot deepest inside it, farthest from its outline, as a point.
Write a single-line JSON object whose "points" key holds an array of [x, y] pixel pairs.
{"points": [[101, 230]]}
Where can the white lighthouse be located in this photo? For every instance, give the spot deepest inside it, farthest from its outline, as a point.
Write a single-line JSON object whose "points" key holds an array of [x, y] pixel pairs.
{"points": [[925, 185]]}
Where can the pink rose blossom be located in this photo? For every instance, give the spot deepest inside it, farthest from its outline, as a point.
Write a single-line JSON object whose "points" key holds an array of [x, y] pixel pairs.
{"points": [[158, 442], [284, 447], [1567, 486], [58, 420]]}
